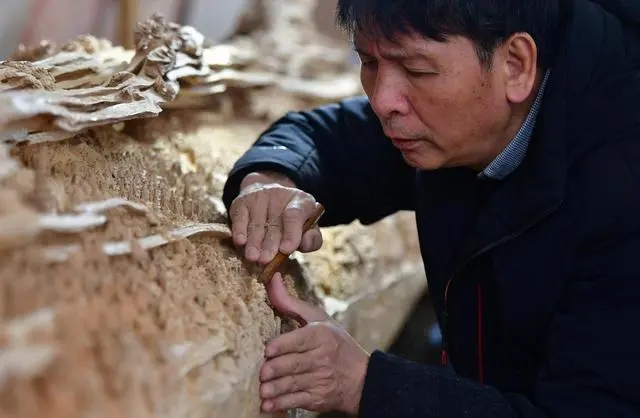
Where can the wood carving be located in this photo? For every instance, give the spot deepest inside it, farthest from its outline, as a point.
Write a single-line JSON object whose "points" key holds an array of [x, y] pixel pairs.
{"points": [[120, 291]]}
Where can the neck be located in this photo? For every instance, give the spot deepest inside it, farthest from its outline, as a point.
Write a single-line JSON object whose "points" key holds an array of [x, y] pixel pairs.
{"points": [[518, 115]]}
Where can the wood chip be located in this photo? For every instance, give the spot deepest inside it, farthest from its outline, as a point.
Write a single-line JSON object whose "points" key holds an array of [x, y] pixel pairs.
{"points": [[105, 205], [63, 253], [24, 361], [70, 223]]}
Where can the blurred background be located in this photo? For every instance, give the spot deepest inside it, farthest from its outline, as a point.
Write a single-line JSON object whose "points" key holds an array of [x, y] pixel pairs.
{"points": [[29, 21]]}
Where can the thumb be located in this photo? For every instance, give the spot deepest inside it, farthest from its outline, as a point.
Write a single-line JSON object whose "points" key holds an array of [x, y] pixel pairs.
{"points": [[290, 306]]}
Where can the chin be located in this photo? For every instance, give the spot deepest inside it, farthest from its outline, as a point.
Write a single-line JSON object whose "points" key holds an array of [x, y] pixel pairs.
{"points": [[422, 163]]}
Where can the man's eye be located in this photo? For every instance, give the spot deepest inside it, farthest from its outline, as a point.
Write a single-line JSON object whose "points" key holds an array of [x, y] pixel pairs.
{"points": [[419, 72]]}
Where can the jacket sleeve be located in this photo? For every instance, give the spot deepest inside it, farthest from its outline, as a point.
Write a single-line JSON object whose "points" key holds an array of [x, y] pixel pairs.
{"points": [[592, 370], [340, 155]]}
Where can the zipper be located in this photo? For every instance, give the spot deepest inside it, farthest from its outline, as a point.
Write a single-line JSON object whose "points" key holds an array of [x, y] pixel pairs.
{"points": [[444, 354], [480, 345]]}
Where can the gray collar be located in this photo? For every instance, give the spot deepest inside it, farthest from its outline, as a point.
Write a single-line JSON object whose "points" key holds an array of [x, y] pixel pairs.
{"points": [[511, 157]]}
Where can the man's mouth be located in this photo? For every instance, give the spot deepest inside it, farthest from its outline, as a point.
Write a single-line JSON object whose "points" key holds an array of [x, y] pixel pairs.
{"points": [[404, 144]]}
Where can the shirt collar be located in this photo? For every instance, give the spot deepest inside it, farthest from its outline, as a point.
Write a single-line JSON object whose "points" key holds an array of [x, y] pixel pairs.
{"points": [[511, 157]]}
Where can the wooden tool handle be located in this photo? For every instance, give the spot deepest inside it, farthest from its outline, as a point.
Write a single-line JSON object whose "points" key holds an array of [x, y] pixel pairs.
{"points": [[274, 264]]}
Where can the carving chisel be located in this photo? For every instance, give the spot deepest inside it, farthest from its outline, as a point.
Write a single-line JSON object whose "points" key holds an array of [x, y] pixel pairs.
{"points": [[277, 261]]}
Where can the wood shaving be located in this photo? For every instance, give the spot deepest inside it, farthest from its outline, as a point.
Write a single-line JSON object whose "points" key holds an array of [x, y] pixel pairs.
{"points": [[71, 223], [59, 254], [18, 331], [198, 355], [89, 82], [77, 90], [105, 205], [24, 362]]}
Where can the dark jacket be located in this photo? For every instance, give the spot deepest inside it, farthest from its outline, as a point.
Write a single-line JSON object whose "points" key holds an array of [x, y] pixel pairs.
{"points": [[536, 278]]}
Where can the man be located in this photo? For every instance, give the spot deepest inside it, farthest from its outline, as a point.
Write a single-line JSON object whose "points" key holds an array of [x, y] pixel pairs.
{"points": [[512, 128]]}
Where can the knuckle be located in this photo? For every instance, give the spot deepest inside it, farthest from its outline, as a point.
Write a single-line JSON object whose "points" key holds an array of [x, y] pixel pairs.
{"points": [[256, 226], [325, 360], [273, 231], [274, 370], [302, 200], [281, 367], [237, 207], [318, 404], [298, 366], [292, 213], [286, 385], [300, 344], [325, 375], [279, 387], [294, 384], [294, 365], [325, 333]]}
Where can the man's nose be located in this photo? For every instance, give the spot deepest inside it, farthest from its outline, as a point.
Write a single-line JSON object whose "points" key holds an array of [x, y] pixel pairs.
{"points": [[388, 97]]}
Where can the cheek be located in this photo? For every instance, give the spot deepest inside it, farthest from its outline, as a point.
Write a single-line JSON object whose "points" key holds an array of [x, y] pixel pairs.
{"points": [[368, 80], [450, 106], [437, 105]]}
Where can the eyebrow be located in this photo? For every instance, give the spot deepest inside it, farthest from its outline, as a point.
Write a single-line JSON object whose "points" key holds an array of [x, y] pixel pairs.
{"points": [[393, 55]]}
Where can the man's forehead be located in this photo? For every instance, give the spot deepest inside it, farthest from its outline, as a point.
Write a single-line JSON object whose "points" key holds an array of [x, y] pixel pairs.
{"points": [[401, 47]]}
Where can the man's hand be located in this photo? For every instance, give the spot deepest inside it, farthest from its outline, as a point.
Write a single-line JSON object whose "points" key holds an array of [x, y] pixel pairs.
{"points": [[268, 216], [318, 367]]}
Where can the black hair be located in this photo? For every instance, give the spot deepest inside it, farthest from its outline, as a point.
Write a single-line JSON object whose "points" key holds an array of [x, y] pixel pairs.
{"points": [[485, 22]]}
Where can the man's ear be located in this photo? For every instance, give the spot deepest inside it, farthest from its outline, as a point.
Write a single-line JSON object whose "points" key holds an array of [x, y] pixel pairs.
{"points": [[519, 55]]}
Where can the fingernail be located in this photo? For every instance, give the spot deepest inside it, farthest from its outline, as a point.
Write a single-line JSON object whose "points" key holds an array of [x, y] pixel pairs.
{"points": [[268, 351], [267, 255], [267, 405], [266, 374], [252, 253], [267, 390], [285, 246]]}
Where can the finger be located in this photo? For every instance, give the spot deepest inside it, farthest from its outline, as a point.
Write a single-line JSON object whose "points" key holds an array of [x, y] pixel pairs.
{"points": [[273, 234], [290, 306], [291, 400], [293, 218], [256, 226], [286, 365], [311, 240], [239, 214], [300, 341], [287, 384]]}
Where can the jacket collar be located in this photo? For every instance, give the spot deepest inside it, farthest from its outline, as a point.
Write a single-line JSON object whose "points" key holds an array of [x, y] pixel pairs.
{"points": [[581, 109], [537, 187]]}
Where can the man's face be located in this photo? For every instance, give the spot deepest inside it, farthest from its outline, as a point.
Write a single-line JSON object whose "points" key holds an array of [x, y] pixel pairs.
{"points": [[436, 101]]}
